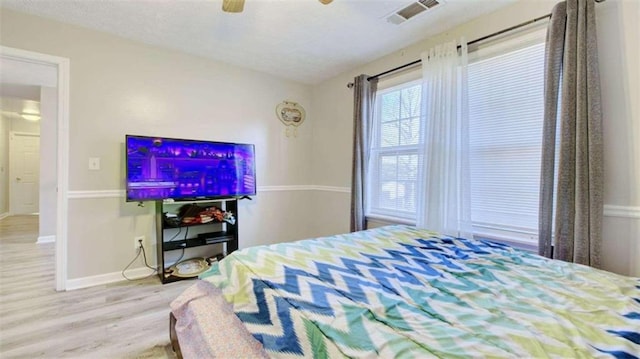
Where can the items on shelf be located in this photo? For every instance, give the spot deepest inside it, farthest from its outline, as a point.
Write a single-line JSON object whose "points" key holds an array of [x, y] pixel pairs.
{"points": [[188, 268], [215, 224], [191, 214]]}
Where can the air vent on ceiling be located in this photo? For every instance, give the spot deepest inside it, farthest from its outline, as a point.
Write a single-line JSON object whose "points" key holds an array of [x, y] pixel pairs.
{"points": [[411, 10]]}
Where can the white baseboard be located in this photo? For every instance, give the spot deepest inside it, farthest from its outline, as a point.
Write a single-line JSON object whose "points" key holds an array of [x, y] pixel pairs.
{"points": [[46, 239], [4, 215], [84, 282]]}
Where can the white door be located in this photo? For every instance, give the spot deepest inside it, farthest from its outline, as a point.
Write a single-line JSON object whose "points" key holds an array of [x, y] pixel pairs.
{"points": [[24, 173]]}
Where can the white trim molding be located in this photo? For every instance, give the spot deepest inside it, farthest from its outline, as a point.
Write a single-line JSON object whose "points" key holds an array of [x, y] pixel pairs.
{"points": [[621, 211], [84, 282], [111, 193], [284, 188], [62, 67], [332, 189], [4, 215], [119, 193], [304, 188], [46, 239]]}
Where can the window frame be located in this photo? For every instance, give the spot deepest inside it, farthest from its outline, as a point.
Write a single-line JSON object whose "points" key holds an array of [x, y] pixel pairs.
{"points": [[522, 238], [372, 209]]}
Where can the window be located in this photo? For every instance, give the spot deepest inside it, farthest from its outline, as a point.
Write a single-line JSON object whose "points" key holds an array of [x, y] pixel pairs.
{"points": [[393, 173], [506, 83], [506, 113]]}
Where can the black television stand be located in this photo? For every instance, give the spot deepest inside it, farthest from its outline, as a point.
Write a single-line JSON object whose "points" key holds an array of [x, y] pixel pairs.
{"points": [[194, 229]]}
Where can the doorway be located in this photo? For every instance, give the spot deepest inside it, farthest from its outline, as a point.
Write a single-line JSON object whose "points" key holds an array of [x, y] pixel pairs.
{"points": [[24, 173], [51, 74]]}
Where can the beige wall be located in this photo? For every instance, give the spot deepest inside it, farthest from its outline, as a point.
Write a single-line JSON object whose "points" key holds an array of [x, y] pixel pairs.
{"points": [[4, 164], [629, 14], [24, 83], [122, 87], [20, 125], [618, 41], [333, 102], [48, 172], [8, 125]]}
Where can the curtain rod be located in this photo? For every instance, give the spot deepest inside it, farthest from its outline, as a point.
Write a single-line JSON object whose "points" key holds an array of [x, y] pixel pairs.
{"points": [[498, 33]]}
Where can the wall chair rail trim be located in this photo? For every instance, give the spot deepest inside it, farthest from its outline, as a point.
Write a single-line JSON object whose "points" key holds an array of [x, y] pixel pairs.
{"points": [[609, 209], [621, 211], [117, 193]]}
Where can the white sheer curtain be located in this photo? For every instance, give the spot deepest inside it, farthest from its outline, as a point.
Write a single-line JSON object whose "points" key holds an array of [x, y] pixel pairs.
{"points": [[444, 199]]}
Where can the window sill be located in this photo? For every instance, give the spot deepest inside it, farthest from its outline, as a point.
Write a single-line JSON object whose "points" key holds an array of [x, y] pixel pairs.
{"points": [[374, 221], [525, 246], [389, 220]]}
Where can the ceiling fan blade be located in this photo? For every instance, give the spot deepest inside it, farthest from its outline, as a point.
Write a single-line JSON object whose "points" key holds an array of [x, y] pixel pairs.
{"points": [[233, 5], [325, 2]]}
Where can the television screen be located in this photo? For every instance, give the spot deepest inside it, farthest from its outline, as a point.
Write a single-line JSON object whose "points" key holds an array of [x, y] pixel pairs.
{"points": [[168, 168]]}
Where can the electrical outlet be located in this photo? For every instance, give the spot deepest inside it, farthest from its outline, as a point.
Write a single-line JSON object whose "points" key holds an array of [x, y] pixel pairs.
{"points": [[94, 163], [136, 242]]}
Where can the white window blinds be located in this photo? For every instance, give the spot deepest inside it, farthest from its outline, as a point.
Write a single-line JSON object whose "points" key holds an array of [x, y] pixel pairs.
{"points": [[506, 116], [506, 111]]}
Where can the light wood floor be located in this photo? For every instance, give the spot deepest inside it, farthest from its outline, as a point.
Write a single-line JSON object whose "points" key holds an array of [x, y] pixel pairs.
{"points": [[122, 320]]}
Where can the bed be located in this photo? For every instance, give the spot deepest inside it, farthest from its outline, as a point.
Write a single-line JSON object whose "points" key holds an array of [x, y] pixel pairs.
{"points": [[404, 292]]}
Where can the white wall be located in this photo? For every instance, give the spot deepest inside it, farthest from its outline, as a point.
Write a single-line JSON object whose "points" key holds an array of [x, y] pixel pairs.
{"points": [[333, 107], [23, 82], [122, 87], [631, 20], [618, 41], [4, 165], [20, 125], [48, 172], [618, 48], [119, 87], [8, 125], [630, 23]]}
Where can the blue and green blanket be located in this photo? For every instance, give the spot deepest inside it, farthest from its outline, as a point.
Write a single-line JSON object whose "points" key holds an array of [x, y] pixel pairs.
{"points": [[403, 292]]}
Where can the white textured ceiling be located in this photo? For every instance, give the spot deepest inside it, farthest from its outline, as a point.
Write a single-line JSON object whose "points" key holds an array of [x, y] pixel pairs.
{"points": [[301, 40]]}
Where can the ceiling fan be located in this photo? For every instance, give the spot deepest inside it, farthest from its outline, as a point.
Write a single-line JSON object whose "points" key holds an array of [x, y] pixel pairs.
{"points": [[238, 5]]}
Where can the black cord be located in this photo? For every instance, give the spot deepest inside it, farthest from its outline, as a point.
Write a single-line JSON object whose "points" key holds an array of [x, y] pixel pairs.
{"points": [[144, 255], [140, 250], [177, 234], [186, 234], [146, 264], [130, 263], [179, 258]]}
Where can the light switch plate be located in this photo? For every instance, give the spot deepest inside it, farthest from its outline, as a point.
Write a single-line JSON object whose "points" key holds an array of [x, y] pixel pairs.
{"points": [[94, 163]]}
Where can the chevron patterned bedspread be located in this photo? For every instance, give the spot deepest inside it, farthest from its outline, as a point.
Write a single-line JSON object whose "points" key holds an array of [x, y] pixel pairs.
{"points": [[402, 292]]}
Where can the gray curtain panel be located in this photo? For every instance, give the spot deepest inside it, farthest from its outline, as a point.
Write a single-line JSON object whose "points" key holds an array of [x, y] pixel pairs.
{"points": [[364, 94], [572, 83]]}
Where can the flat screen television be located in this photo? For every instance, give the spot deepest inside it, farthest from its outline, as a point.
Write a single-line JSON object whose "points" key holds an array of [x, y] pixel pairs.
{"points": [[167, 168]]}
